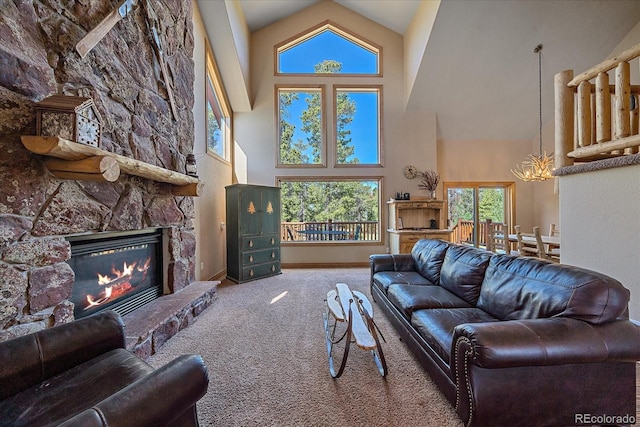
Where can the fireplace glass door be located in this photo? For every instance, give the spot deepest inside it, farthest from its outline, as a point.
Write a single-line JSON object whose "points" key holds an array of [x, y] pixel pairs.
{"points": [[119, 272]]}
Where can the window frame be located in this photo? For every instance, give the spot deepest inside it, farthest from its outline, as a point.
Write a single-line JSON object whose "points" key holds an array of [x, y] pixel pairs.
{"points": [[323, 111], [212, 77], [380, 115], [342, 178]]}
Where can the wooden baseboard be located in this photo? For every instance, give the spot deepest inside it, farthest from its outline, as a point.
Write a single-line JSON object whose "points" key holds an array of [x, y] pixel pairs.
{"points": [[220, 276]]}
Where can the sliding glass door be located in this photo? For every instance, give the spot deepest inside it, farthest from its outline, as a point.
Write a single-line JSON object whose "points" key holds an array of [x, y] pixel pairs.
{"points": [[471, 204]]}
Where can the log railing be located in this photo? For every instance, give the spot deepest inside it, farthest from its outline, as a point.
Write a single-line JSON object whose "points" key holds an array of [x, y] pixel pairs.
{"points": [[594, 119]]}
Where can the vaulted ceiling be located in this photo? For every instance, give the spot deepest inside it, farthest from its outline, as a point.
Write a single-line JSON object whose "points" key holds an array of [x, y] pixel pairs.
{"points": [[479, 72]]}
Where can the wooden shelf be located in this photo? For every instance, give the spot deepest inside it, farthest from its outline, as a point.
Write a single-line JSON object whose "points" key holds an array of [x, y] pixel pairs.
{"points": [[84, 162]]}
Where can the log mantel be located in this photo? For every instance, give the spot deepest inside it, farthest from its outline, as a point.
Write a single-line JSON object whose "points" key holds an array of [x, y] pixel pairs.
{"points": [[75, 165]]}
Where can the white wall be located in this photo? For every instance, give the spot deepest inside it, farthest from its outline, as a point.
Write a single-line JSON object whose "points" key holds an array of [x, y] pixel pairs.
{"points": [[600, 217], [409, 138], [211, 258]]}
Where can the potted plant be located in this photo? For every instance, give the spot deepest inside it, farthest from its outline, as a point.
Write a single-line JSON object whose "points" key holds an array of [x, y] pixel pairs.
{"points": [[429, 181]]}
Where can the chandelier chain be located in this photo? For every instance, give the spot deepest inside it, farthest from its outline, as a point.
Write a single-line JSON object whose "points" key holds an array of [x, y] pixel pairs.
{"points": [[539, 50], [536, 168]]}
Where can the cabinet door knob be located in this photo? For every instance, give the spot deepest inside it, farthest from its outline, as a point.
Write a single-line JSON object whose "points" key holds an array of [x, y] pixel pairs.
{"points": [[273, 240], [273, 254], [273, 268], [250, 273], [250, 258], [250, 243]]}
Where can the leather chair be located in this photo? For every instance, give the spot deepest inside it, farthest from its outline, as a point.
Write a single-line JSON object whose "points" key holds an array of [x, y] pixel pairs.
{"points": [[80, 374]]}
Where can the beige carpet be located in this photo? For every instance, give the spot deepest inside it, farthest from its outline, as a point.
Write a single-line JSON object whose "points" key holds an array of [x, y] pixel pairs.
{"points": [[264, 345]]}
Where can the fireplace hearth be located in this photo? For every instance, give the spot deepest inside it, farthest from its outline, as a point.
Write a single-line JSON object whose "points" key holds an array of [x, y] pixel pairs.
{"points": [[119, 271]]}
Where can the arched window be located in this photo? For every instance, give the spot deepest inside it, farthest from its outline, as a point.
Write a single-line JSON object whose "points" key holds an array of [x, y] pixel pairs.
{"points": [[305, 54]]}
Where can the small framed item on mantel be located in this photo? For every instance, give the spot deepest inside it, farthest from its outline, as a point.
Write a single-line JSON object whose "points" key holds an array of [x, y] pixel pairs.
{"points": [[70, 117]]}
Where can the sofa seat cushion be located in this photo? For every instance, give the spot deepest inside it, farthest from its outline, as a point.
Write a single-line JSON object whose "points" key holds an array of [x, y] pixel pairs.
{"points": [[62, 396], [386, 278], [436, 326], [517, 288], [463, 271], [408, 298], [428, 256]]}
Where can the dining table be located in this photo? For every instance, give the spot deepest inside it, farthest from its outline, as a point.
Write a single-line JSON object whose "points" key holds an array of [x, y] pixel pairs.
{"points": [[547, 240]]}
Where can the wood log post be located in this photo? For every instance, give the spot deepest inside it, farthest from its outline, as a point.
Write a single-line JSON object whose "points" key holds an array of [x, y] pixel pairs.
{"points": [[603, 108], [592, 108], [584, 114], [564, 114], [96, 168], [635, 122], [623, 101]]}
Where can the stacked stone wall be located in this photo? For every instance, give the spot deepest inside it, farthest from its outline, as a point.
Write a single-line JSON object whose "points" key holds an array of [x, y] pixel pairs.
{"points": [[122, 74]]}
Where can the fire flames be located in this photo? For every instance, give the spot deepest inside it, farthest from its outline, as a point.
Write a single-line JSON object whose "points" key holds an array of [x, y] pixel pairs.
{"points": [[118, 283]]}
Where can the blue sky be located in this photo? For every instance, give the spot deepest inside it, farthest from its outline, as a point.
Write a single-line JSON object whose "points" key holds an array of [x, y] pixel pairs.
{"points": [[355, 60]]}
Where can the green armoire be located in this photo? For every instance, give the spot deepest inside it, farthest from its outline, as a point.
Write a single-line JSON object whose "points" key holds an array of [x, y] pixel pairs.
{"points": [[253, 232]]}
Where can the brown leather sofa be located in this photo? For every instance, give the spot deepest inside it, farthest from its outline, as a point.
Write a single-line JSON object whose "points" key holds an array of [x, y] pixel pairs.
{"points": [[80, 374], [513, 340]]}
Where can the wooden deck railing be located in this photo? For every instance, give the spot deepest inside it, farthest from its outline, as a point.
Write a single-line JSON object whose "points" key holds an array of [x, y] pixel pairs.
{"points": [[596, 120], [352, 230], [463, 232]]}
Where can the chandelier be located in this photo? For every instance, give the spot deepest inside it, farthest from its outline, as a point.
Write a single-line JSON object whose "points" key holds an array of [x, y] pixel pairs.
{"points": [[536, 168]]}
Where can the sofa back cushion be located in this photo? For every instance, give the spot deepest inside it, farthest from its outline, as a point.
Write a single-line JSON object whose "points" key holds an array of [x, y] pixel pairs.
{"points": [[517, 288], [428, 255], [463, 271]]}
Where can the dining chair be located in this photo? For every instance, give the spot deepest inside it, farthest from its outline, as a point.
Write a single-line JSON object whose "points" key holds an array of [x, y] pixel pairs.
{"points": [[527, 244], [549, 252], [497, 238], [554, 231]]}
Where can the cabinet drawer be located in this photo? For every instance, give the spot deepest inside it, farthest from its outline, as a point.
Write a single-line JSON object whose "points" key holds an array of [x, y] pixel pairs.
{"points": [[412, 238], [413, 205], [259, 242], [260, 270], [258, 257]]}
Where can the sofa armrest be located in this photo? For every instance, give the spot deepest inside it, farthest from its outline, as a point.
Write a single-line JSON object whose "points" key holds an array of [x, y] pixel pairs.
{"points": [[161, 398], [538, 342], [391, 262], [31, 359]]}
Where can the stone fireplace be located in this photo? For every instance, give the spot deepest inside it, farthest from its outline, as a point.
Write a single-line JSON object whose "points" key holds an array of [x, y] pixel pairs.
{"points": [[123, 75]]}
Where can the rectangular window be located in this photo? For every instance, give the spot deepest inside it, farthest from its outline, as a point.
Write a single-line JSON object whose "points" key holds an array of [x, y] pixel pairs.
{"points": [[357, 118], [329, 210], [300, 125], [218, 112]]}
